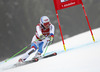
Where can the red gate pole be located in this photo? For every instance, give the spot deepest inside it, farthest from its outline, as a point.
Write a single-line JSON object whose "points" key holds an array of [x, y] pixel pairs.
{"points": [[88, 22], [60, 30]]}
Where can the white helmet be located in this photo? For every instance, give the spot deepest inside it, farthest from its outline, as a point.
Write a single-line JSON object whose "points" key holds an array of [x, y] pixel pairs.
{"points": [[45, 21]]}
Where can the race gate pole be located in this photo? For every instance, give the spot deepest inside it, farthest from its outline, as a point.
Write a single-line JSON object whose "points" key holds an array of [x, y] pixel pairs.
{"points": [[88, 22], [60, 31]]}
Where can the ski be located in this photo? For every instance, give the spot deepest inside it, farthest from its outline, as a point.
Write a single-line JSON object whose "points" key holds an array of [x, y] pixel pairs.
{"points": [[34, 60], [50, 55], [42, 57]]}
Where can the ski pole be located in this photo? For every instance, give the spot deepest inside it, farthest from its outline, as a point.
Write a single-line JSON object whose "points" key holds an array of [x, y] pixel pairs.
{"points": [[19, 51], [46, 49]]}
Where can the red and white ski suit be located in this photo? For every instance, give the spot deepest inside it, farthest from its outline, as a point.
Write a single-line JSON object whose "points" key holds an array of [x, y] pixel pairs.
{"points": [[37, 43]]}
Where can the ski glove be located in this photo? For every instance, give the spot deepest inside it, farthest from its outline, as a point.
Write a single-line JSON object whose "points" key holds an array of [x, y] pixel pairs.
{"points": [[51, 40], [42, 37]]}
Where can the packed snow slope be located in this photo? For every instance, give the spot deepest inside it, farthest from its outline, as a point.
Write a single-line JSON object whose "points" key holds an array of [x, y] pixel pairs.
{"points": [[82, 55]]}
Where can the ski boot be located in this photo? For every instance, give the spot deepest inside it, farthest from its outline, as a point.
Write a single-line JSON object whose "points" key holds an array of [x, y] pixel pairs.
{"points": [[37, 56], [21, 60]]}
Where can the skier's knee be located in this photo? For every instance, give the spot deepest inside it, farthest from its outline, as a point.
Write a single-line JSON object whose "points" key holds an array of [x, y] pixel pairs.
{"points": [[33, 45], [40, 51]]}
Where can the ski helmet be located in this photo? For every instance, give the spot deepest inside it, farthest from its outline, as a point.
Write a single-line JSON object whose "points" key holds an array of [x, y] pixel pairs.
{"points": [[45, 21]]}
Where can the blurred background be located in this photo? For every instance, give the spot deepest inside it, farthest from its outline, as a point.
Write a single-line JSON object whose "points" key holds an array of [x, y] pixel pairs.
{"points": [[18, 19]]}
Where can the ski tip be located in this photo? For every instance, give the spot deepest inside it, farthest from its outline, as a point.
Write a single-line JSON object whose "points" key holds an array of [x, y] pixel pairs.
{"points": [[55, 53]]}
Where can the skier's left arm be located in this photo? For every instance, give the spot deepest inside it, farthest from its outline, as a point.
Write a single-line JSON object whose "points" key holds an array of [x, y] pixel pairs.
{"points": [[52, 29]]}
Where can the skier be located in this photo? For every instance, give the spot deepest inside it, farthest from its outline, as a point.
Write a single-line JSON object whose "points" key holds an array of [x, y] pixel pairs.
{"points": [[44, 34]]}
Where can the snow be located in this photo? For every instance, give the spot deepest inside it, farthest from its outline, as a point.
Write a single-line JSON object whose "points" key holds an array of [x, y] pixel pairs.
{"points": [[82, 55]]}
